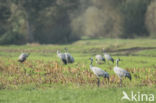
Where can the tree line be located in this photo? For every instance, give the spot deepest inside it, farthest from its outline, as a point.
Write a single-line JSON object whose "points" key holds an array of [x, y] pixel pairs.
{"points": [[65, 21]]}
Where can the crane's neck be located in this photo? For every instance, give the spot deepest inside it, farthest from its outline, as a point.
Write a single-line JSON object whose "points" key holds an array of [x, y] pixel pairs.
{"points": [[91, 65], [117, 62]]}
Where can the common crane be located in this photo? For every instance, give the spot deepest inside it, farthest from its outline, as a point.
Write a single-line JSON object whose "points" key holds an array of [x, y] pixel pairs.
{"points": [[98, 72], [62, 56], [69, 58], [23, 57], [121, 72]]}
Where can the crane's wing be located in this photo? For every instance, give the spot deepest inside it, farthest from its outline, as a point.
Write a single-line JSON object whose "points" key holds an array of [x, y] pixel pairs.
{"points": [[99, 72], [122, 72], [70, 58]]}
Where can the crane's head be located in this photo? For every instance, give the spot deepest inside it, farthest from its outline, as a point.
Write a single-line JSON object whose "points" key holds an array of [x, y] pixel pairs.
{"points": [[91, 59], [118, 59]]}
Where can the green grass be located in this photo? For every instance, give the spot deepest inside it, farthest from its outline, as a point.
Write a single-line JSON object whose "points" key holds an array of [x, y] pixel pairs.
{"points": [[71, 95], [44, 79]]}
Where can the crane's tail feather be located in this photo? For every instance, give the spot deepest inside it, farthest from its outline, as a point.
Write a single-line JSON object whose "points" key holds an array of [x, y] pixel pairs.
{"points": [[128, 75], [103, 59], [64, 61], [21, 60], [112, 60]]}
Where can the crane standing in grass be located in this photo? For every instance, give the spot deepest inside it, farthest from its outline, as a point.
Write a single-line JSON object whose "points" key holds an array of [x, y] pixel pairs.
{"points": [[69, 58], [99, 59], [62, 56], [121, 72], [98, 72], [23, 57]]}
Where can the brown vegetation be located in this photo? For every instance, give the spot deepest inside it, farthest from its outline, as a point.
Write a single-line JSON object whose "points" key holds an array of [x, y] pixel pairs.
{"points": [[40, 72]]}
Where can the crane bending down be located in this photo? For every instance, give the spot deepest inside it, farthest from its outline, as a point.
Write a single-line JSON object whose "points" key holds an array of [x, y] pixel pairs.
{"points": [[98, 72], [99, 58], [23, 57], [121, 72]]}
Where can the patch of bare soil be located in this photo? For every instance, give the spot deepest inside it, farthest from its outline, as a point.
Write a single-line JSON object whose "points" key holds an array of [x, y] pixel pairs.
{"points": [[130, 51]]}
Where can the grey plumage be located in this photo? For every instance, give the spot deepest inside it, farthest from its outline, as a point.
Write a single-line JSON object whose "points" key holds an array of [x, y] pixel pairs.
{"points": [[108, 57], [98, 72], [65, 57], [68, 56], [121, 72], [62, 56], [99, 59], [23, 57]]}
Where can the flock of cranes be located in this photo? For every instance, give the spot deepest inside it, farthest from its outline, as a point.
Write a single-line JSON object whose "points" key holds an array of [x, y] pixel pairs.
{"points": [[67, 58]]}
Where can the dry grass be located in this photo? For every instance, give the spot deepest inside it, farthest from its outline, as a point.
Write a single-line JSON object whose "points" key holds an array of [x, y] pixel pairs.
{"points": [[39, 72]]}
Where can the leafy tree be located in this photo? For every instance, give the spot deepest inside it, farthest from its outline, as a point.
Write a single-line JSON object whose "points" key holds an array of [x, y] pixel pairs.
{"points": [[5, 14], [151, 19], [99, 19], [134, 17], [54, 26], [31, 9]]}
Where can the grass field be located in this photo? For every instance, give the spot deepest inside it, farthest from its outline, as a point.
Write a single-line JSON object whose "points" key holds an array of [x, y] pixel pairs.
{"points": [[43, 78]]}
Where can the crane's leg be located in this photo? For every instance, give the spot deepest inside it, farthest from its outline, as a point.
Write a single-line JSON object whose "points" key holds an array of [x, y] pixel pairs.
{"points": [[108, 62], [96, 61], [64, 61], [108, 80], [120, 82], [103, 80], [98, 82]]}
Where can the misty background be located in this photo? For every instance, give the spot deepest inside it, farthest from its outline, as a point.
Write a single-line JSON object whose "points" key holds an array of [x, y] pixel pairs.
{"points": [[65, 21]]}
